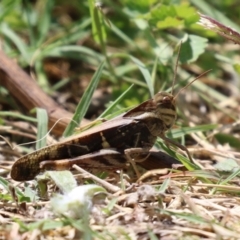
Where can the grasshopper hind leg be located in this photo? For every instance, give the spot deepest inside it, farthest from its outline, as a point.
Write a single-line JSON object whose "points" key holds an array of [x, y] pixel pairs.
{"points": [[22, 171]]}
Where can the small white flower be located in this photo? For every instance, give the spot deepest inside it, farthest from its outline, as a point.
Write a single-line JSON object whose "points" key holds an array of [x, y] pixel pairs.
{"points": [[77, 202]]}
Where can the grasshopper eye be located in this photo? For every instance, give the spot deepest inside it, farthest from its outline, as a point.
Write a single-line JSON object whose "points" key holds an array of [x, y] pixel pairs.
{"points": [[166, 99]]}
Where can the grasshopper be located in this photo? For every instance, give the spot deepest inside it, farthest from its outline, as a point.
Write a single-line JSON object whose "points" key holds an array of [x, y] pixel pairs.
{"points": [[132, 133], [111, 144]]}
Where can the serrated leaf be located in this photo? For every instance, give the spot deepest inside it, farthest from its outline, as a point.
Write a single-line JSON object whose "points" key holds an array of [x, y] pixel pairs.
{"points": [[185, 11], [163, 12], [169, 22], [192, 48], [192, 19]]}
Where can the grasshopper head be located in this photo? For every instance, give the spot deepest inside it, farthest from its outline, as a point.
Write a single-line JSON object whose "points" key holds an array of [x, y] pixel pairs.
{"points": [[165, 108]]}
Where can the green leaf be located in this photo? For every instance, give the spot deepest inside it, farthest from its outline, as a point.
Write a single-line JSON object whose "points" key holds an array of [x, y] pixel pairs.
{"points": [[169, 22], [64, 180], [227, 164], [44, 225], [224, 138], [24, 199], [191, 20], [159, 14], [184, 10], [30, 195], [5, 197], [5, 184], [192, 48], [151, 235], [236, 67], [84, 102]]}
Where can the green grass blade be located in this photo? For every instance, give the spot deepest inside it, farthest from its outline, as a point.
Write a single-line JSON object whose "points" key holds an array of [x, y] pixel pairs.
{"points": [[17, 115], [74, 52], [186, 162], [42, 128], [145, 73], [5, 184], [113, 104], [98, 26], [122, 35], [7, 32], [42, 78], [230, 177], [44, 21], [177, 133], [84, 103], [187, 216]]}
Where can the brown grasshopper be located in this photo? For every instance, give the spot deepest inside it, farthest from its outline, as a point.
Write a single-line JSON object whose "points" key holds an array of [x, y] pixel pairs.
{"points": [[131, 133], [111, 144]]}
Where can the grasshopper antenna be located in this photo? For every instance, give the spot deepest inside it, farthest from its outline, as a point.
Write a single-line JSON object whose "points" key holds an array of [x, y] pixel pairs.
{"points": [[202, 74], [175, 74], [49, 131], [175, 68]]}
